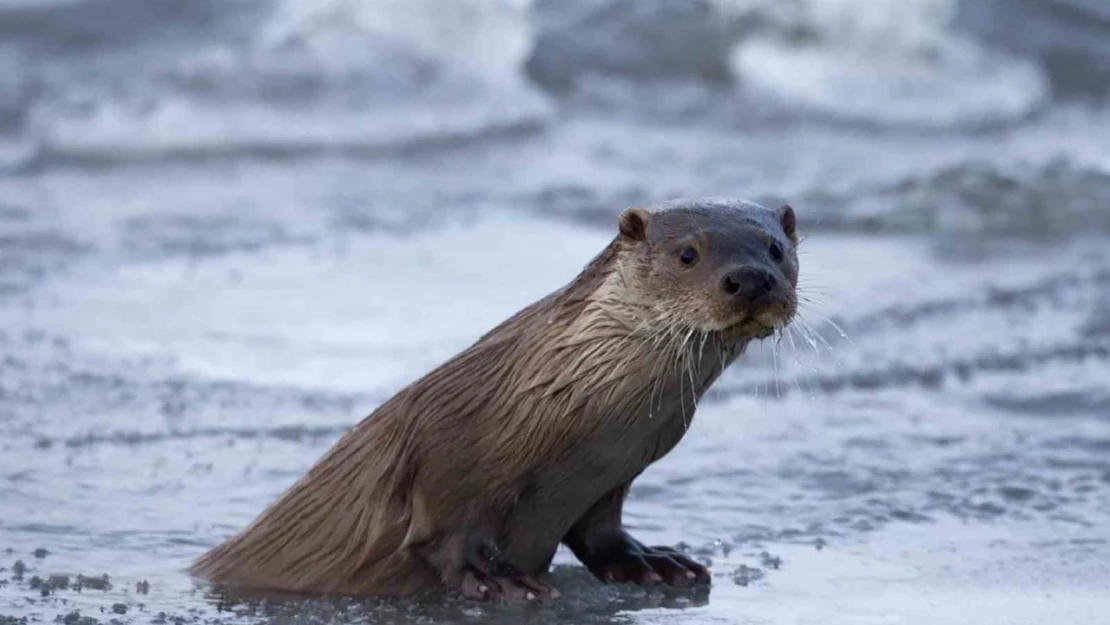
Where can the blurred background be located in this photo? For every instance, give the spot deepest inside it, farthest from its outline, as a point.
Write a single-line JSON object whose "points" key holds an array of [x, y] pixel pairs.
{"points": [[230, 228]]}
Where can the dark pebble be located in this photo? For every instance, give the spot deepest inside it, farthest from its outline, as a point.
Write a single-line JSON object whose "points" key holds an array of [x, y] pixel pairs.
{"points": [[769, 560], [60, 582], [745, 575], [95, 583]]}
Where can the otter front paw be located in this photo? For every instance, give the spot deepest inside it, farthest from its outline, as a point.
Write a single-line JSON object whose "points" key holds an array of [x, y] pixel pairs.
{"points": [[625, 559], [488, 576]]}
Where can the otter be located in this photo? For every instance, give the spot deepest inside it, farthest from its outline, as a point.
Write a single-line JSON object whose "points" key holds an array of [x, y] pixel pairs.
{"points": [[471, 477]]}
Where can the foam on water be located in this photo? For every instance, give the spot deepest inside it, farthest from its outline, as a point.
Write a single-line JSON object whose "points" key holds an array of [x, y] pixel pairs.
{"points": [[344, 310], [890, 62], [285, 78]]}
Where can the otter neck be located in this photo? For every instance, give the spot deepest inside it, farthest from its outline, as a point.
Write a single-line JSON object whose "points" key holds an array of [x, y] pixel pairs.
{"points": [[668, 367]]}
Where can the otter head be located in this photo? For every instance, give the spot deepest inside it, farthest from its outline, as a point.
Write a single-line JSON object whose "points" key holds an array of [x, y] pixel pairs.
{"points": [[712, 265]]}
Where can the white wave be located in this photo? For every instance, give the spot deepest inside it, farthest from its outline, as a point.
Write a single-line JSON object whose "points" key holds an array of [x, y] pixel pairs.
{"points": [[887, 61], [184, 127], [489, 37], [36, 4], [319, 76]]}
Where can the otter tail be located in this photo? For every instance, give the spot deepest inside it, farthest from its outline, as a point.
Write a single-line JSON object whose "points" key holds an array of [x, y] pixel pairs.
{"points": [[339, 529]]}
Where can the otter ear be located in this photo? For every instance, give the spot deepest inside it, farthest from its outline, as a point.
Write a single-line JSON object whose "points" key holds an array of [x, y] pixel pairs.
{"points": [[633, 224], [786, 218]]}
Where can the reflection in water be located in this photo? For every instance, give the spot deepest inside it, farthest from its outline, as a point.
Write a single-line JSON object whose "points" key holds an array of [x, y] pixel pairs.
{"points": [[587, 601]]}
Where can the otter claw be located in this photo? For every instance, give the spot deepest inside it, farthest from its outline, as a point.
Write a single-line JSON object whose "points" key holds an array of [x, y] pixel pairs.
{"points": [[695, 571], [629, 561], [520, 589]]}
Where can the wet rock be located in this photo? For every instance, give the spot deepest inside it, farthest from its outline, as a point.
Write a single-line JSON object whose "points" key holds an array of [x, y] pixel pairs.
{"points": [[1069, 38], [75, 618], [645, 40], [744, 575], [1016, 493], [93, 583], [770, 561], [40, 553], [58, 582], [1028, 200], [18, 569], [119, 608]]}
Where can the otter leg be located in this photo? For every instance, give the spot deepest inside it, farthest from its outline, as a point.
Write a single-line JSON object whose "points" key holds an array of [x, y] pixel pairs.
{"points": [[612, 555], [488, 575]]}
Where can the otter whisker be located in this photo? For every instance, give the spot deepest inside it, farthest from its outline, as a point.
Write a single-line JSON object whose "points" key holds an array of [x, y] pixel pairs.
{"points": [[663, 362], [669, 334], [817, 300], [725, 355], [775, 359], [689, 357], [812, 296], [843, 334], [814, 334], [805, 333], [701, 349], [693, 385], [799, 381], [671, 358], [766, 381], [816, 341], [681, 357], [681, 384]]}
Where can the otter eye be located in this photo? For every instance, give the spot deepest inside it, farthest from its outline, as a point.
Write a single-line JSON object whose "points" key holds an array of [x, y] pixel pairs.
{"points": [[776, 252], [688, 256]]}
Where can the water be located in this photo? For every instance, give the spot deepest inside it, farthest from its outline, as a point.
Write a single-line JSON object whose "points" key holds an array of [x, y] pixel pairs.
{"points": [[228, 230]]}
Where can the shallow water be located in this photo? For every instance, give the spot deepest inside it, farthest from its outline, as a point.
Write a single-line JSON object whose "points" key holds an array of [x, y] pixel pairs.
{"points": [[193, 309]]}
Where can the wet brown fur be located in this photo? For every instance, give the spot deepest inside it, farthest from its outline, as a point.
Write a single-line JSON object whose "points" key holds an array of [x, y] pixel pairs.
{"points": [[522, 437]]}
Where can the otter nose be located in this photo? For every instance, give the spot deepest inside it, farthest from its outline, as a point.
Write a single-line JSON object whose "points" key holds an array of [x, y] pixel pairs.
{"points": [[750, 283]]}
